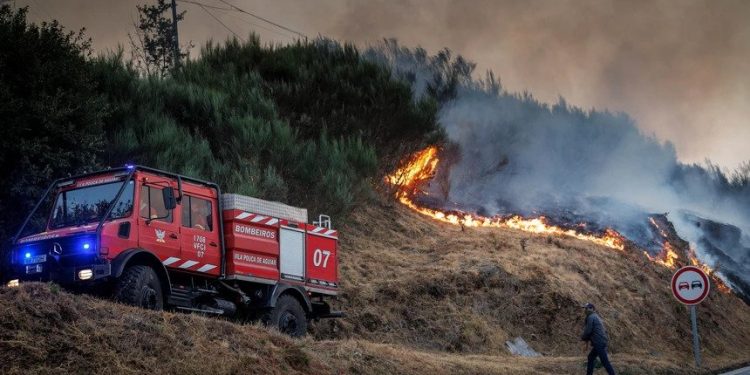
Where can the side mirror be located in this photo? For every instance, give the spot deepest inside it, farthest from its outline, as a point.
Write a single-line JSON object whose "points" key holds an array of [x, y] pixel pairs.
{"points": [[169, 200]]}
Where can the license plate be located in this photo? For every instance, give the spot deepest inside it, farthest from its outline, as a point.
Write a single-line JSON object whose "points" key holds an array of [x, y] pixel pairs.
{"points": [[35, 259], [37, 268]]}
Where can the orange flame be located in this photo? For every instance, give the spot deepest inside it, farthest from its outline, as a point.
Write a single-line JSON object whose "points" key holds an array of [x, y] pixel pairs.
{"points": [[667, 258], [422, 166], [657, 226], [720, 285]]}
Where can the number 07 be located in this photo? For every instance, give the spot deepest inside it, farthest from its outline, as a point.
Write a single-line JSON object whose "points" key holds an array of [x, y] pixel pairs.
{"points": [[321, 256]]}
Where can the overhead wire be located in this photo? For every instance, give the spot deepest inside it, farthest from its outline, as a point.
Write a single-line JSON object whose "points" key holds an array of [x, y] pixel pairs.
{"points": [[206, 5], [236, 9], [219, 21], [264, 19], [261, 27]]}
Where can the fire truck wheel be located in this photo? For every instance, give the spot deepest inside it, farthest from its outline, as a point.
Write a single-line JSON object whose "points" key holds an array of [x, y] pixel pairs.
{"points": [[139, 286], [288, 316]]}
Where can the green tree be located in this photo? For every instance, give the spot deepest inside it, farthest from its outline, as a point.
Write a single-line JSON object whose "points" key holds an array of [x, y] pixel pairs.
{"points": [[153, 45], [51, 114]]}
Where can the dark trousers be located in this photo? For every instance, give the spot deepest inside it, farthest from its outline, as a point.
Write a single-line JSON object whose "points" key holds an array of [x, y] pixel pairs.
{"points": [[601, 352]]}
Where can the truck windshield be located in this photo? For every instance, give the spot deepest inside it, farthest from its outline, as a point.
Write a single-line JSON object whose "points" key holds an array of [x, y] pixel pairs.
{"points": [[88, 204]]}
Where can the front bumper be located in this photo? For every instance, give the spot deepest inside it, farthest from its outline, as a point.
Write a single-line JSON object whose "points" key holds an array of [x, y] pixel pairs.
{"points": [[57, 259], [49, 271]]}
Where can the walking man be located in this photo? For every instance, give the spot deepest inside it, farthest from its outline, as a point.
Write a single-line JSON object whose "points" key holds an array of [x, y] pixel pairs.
{"points": [[595, 332]]}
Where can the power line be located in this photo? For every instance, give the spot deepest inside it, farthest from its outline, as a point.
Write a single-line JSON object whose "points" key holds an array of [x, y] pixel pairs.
{"points": [[219, 21], [206, 5], [264, 19], [258, 26], [233, 8]]}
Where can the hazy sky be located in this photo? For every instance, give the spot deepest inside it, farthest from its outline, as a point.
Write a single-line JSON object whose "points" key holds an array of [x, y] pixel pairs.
{"points": [[681, 68]]}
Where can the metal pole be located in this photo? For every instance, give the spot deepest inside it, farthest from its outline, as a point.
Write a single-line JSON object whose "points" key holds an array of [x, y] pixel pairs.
{"points": [[696, 339], [176, 40]]}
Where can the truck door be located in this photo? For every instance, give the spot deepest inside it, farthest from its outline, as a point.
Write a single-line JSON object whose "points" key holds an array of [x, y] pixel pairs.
{"points": [[292, 253], [158, 231], [200, 235]]}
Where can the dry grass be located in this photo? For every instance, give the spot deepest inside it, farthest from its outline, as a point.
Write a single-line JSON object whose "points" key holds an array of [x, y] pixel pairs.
{"points": [[422, 298], [422, 284], [46, 331]]}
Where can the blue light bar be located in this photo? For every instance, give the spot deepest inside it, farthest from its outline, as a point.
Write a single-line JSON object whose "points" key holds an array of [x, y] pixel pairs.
{"points": [[27, 255], [86, 246]]}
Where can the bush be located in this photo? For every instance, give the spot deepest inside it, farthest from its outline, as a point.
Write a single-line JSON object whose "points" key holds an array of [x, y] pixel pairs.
{"points": [[52, 114], [220, 118]]}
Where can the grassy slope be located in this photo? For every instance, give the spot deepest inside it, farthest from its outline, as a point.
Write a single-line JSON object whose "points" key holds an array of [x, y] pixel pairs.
{"points": [[47, 331], [432, 286], [422, 297]]}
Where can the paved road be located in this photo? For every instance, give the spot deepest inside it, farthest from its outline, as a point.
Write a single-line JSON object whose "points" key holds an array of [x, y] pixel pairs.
{"points": [[742, 371]]}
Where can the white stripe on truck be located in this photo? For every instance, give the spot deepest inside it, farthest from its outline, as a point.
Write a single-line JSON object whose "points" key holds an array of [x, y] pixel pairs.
{"points": [[243, 215], [188, 264], [206, 268]]}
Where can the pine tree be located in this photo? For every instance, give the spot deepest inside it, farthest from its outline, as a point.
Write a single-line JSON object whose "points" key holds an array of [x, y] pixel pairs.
{"points": [[153, 45]]}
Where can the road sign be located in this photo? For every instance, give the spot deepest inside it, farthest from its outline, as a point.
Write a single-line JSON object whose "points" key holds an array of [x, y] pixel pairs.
{"points": [[690, 285]]}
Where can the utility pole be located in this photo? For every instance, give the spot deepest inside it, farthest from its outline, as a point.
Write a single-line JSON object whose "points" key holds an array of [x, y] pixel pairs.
{"points": [[176, 40]]}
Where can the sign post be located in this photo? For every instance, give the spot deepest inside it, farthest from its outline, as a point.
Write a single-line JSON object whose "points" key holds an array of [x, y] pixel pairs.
{"points": [[696, 340], [690, 286]]}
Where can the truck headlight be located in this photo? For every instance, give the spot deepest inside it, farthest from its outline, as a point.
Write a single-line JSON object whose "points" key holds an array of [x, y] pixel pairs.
{"points": [[13, 283], [85, 274]]}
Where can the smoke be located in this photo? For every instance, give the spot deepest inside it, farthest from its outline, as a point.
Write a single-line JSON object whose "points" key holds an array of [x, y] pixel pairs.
{"points": [[722, 246], [520, 156], [514, 152], [678, 67]]}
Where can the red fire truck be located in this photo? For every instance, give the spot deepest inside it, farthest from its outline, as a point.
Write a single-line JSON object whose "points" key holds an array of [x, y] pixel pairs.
{"points": [[157, 239]]}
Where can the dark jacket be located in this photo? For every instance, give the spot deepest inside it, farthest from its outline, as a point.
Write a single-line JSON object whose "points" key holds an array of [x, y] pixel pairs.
{"points": [[594, 331]]}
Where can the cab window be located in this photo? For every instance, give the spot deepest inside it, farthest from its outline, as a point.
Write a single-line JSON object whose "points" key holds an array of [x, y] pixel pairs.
{"points": [[152, 205], [196, 213], [88, 204]]}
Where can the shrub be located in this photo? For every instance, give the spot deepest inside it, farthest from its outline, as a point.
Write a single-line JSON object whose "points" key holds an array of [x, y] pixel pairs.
{"points": [[52, 115]]}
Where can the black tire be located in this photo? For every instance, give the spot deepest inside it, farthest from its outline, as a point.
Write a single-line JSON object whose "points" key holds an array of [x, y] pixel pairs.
{"points": [[140, 286], [288, 317]]}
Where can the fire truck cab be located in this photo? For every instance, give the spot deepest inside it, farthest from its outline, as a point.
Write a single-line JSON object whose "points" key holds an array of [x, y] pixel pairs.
{"points": [[156, 239]]}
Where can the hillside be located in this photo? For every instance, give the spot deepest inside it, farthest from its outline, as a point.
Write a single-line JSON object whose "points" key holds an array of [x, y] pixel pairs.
{"points": [[421, 297], [48, 331], [434, 286]]}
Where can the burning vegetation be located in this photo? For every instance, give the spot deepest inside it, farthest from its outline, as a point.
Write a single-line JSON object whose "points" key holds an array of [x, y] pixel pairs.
{"points": [[421, 168]]}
